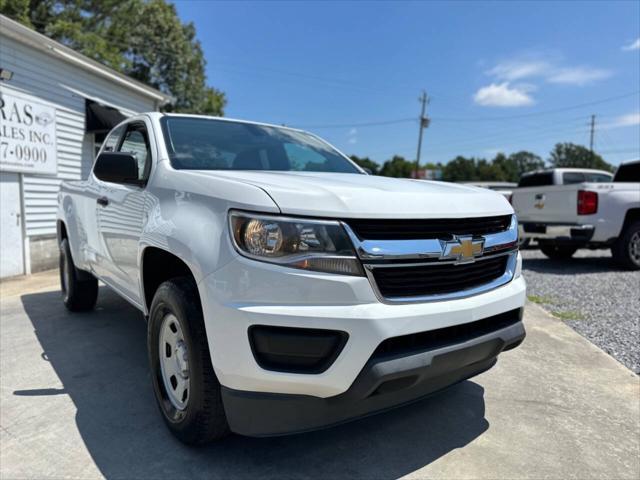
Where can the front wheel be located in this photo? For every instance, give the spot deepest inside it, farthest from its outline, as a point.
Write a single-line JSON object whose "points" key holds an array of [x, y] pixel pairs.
{"points": [[186, 387], [557, 252], [79, 288], [626, 249]]}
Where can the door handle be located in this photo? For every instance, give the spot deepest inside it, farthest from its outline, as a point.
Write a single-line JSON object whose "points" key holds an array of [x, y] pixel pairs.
{"points": [[104, 201]]}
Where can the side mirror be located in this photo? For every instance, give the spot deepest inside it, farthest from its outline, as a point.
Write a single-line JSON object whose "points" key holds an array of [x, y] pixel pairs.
{"points": [[117, 167], [367, 170]]}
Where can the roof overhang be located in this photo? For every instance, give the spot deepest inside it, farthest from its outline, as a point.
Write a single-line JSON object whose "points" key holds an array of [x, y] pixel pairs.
{"points": [[26, 36]]}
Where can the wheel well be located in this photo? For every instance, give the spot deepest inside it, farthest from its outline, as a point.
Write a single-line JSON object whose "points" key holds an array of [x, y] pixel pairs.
{"points": [[158, 266], [61, 230], [633, 214]]}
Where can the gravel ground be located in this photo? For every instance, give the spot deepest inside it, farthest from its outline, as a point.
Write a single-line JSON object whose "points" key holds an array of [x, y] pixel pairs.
{"points": [[592, 295]]}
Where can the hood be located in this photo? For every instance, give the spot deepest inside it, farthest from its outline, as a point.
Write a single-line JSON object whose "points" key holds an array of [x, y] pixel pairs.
{"points": [[346, 195]]}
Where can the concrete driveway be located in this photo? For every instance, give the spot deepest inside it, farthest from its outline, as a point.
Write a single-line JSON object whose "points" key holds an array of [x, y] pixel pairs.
{"points": [[76, 401]]}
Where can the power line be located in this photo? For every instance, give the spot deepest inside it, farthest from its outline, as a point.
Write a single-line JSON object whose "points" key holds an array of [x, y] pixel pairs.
{"points": [[536, 114]]}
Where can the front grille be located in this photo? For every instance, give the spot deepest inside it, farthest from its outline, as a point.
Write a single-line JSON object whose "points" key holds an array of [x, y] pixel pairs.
{"points": [[422, 229], [434, 279], [442, 337]]}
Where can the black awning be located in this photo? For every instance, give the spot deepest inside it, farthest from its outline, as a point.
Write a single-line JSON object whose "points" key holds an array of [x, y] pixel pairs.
{"points": [[101, 118]]}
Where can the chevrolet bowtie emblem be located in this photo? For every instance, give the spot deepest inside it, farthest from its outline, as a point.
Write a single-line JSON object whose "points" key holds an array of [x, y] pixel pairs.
{"points": [[462, 249]]}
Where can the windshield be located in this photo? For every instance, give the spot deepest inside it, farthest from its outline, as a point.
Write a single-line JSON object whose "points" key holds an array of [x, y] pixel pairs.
{"points": [[208, 144]]}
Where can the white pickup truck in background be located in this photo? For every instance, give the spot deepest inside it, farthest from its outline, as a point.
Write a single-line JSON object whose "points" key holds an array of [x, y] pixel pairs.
{"points": [[565, 209]]}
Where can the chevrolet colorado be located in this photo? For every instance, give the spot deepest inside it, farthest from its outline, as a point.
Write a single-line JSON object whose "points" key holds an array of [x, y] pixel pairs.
{"points": [[567, 209], [285, 289]]}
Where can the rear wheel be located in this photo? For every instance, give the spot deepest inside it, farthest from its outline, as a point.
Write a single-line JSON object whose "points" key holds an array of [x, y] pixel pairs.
{"points": [[557, 252], [523, 242], [626, 249], [186, 387], [79, 288]]}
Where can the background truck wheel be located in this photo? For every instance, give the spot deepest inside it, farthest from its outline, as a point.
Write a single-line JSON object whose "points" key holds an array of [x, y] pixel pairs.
{"points": [[626, 249], [79, 288], [523, 242], [557, 252], [185, 385]]}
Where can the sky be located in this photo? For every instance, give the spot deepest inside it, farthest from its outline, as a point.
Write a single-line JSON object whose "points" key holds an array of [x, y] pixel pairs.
{"points": [[500, 76]]}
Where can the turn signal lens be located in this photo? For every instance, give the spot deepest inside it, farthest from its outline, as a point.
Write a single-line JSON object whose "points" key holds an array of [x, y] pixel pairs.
{"points": [[587, 202]]}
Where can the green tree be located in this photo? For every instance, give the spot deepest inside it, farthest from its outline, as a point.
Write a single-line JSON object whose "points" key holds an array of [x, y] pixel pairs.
{"points": [[460, 169], [571, 155], [366, 162], [144, 39], [397, 167], [524, 161]]}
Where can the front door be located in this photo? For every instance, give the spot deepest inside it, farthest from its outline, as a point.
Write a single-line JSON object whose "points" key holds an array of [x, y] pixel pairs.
{"points": [[120, 216], [11, 247]]}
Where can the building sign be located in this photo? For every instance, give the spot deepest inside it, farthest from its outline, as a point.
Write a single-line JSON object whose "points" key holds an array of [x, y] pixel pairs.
{"points": [[27, 135]]}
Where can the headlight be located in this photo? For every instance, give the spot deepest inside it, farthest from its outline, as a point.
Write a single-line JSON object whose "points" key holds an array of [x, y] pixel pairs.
{"points": [[320, 245]]}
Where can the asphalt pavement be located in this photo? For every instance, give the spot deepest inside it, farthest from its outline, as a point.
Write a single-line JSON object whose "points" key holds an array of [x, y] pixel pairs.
{"points": [[76, 401]]}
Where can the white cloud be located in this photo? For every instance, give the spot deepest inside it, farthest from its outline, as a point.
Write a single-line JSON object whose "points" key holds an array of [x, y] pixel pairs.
{"points": [[353, 139], [628, 120], [504, 95], [578, 75], [632, 46], [517, 69], [547, 67]]}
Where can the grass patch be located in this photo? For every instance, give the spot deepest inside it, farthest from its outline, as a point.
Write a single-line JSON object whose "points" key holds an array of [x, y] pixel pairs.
{"points": [[568, 315], [540, 299]]}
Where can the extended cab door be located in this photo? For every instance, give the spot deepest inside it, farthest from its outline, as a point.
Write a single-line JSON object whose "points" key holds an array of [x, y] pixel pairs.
{"points": [[120, 212]]}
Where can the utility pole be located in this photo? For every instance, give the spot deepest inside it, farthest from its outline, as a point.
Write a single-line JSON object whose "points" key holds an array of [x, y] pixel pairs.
{"points": [[424, 123], [593, 128]]}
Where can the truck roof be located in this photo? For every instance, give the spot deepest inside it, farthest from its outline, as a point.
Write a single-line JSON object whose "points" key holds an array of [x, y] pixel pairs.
{"points": [[566, 169]]}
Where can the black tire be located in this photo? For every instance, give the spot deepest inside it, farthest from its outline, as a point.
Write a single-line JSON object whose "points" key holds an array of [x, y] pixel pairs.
{"points": [[79, 288], [557, 252], [626, 249], [202, 419], [523, 243]]}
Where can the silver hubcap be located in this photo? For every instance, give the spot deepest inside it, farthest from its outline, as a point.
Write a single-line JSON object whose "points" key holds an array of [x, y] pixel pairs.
{"points": [[634, 248], [174, 362]]}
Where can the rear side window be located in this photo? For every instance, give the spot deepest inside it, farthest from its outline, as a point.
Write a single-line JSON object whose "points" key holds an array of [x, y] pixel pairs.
{"points": [[598, 177], [573, 177], [541, 179], [628, 173]]}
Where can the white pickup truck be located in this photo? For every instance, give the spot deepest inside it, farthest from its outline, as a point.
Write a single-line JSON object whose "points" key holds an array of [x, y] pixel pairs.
{"points": [[284, 288], [566, 209]]}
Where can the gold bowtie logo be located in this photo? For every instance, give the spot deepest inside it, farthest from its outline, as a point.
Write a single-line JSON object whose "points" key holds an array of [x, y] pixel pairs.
{"points": [[462, 249]]}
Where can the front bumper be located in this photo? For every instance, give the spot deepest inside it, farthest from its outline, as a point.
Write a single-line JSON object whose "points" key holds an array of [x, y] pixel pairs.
{"points": [[244, 293], [385, 382]]}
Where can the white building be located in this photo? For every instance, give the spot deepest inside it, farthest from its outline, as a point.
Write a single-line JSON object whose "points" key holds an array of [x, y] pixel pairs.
{"points": [[55, 107]]}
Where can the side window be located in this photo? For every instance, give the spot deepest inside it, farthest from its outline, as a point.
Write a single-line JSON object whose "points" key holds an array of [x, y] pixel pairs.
{"points": [[136, 142], [572, 177], [111, 142], [598, 177]]}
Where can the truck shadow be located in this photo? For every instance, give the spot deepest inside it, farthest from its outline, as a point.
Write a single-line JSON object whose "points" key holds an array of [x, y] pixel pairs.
{"points": [[100, 358], [572, 266]]}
